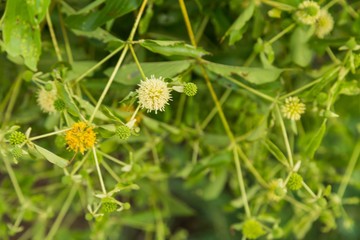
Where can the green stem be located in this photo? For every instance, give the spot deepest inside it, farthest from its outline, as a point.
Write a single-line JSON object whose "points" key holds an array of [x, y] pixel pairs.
{"points": [[62, 213], [137, 62], [256, 92], [82, 76], [110, 171], [49, 134], [112, 158], [282, 33], [99, 171], [66, 39], [349, 170], [180, 110], [286, 140], [53, 37], [12, 101], [309, 190], [241, 182], [14, 180]]}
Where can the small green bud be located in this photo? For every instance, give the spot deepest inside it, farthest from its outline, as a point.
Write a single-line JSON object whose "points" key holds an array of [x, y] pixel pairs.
{"points": [[190, 89], [16, 138], [109, 205], [295, 182], [17, 152], [27, 75], [252, 229], [279, 191], [60, 141], [123, 132], [48, 87], [126, 206], [312, 11], [88, 217], [322, 202], [59, 105]]}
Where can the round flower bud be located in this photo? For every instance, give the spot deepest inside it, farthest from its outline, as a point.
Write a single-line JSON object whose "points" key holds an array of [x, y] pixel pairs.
{"points": [[60, 141], [17, 152], [322, 202], [295, 182], [126, 206], [59, 105], [123, 132], [279, 191], [48, 86], [308, 12], [252, 229], [109, 205], [46, 99], [190, 89], [27, 75], [324, 24], [293, 108], [16, 138]]}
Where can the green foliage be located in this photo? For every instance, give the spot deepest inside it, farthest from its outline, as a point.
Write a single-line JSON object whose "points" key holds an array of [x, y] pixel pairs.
{"points": [[258, 137]]}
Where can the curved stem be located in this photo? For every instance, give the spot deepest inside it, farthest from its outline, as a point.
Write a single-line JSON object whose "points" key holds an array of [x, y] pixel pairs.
{"points": [[53, 37]]}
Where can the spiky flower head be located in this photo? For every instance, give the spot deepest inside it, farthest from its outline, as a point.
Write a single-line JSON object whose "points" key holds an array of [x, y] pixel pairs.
{"points": [[154, 94], [17, 152], [109, 205], [16, 138], [190, 89], [123, 132], [295, 182], [81, 137], [59, 105], [324, 24], [308, 12], [46, 99], [252, 229], [293, 108]]}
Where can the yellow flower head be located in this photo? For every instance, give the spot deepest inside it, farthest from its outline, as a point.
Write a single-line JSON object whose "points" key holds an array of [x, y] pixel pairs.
{"points": [[324, 24], [80, 138], [293, 108]]}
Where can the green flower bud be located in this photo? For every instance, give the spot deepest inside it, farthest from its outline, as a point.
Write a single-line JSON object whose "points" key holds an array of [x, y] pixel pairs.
{"points": [[27, 75], [48, 87], [322, 202], [295, 182], [252, 229], [60, 141], [17, 152], [88, 217], [123, 132], [190, 89], [279, 191], [126, 206], [16, 138], [312, 11], [109, 205], [59, 105]]}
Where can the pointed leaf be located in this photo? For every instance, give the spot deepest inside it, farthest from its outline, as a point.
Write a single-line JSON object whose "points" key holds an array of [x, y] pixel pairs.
{"points": [[51, 157]]}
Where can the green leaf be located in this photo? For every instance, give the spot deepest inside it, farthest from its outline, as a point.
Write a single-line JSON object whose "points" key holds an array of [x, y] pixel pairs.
{"points": [[21, 29], [78, 68], [316, 140], [239, 26], [275, 151], [253, 75], [93, 19], [169, 48], [51, 157], [216, 185], [130, 75], [300, 51]]}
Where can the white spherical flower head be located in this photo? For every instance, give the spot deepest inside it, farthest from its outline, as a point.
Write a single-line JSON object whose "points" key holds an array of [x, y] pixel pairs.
{"points": [[308, 12], [154, 94], [324, 24], [293, 108], [46, 99]]}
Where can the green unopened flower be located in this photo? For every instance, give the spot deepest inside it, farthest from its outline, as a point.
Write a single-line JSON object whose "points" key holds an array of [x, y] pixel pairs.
{"points": [[295, 182], [293, 108], [16, 138], [17, 152], [48, 86], [308, 12], [123, 132], [190, 89], [252, 229], [324, 24], [59, 105], [109, 205]]}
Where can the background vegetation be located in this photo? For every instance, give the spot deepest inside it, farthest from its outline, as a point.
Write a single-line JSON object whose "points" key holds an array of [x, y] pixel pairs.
{"points": [[208, 163]]}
